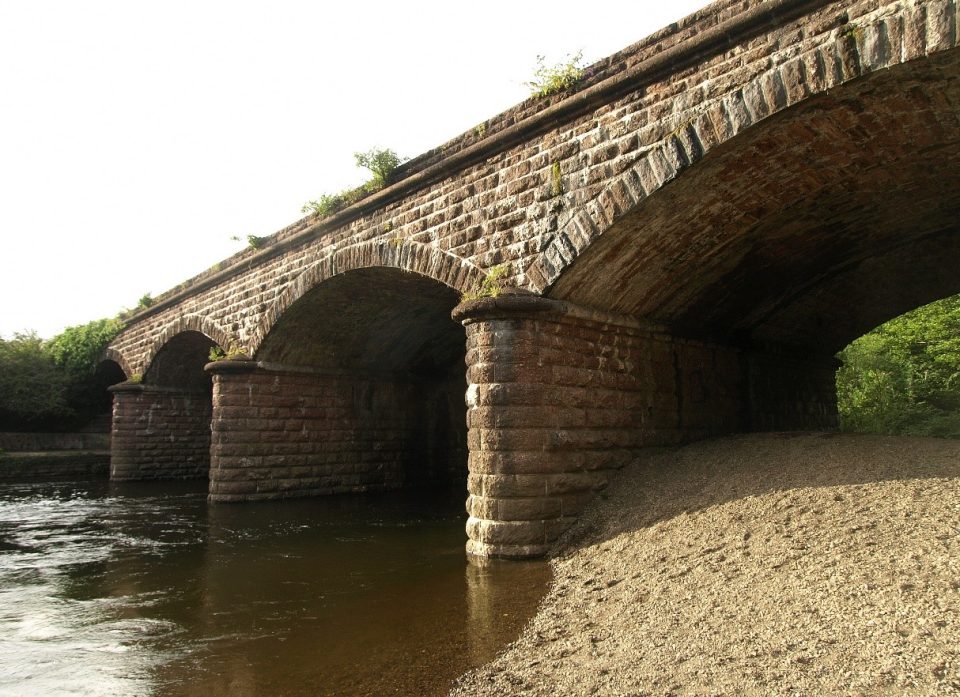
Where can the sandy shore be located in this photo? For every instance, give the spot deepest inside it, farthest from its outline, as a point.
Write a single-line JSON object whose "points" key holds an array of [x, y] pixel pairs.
{"points": [[777, 564]]}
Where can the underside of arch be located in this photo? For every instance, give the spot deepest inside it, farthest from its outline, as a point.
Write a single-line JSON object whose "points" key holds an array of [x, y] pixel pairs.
{"points": [[807, 229]]}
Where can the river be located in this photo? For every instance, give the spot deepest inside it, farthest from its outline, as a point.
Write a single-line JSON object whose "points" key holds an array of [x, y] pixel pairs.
{"points": [[145, 589]]}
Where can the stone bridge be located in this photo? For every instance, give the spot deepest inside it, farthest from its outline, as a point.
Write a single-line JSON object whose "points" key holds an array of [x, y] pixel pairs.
{"points": [[685, 241]]}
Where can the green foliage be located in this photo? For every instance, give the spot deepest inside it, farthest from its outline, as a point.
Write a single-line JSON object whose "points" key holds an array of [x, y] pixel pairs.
{"points": [[323, 206], [556, 180], [253, 241], [381, 164], [904, 376], [32, 387], [145, 301], [55, 383], [490, 286], [561, 77], [77, 350]]}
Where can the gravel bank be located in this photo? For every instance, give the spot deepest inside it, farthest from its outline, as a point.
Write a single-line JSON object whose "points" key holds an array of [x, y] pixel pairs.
{"points": [[773, 564]]}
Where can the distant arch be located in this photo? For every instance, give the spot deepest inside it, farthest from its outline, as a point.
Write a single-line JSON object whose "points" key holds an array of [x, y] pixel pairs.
{"points": [[112, 354], [406, 255]]}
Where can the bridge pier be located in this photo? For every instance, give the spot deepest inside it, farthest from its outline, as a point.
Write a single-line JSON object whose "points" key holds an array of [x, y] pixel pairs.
{"points": [[159, 433], [559, 396], [281, 432]]}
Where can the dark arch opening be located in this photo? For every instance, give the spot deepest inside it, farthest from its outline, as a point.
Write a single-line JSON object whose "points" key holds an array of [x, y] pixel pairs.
{"points": [[96, 401], [387, 336], [179, 363]]}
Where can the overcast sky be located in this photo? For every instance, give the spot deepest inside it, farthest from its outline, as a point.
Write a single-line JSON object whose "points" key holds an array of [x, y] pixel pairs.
{"points": [[137, 138]]}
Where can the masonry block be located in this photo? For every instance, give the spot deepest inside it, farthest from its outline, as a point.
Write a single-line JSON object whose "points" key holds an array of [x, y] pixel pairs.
{"points": [[159, 433]]}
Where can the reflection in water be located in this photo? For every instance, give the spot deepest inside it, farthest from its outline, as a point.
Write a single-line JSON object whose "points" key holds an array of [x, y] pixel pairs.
{"points": [[145, 589]]}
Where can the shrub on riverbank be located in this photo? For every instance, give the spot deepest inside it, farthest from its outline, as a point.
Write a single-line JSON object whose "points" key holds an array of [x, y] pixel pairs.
{"points": [[903, 377], [54, 384]]}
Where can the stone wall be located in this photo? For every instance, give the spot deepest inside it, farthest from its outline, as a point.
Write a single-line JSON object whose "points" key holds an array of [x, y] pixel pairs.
{"points": [[790, 392], [38, 442], [67, 465], [280, 433], [159, 433]]}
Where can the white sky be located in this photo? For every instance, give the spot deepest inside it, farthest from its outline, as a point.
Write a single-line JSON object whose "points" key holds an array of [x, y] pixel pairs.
{"points": [[136, 138]]}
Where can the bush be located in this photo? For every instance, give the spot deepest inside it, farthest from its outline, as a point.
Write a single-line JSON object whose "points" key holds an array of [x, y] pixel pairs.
{"points": [[32, 386]]}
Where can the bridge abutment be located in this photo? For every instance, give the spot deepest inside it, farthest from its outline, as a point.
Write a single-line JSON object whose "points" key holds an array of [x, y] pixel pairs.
{"points": [[159, 433]]}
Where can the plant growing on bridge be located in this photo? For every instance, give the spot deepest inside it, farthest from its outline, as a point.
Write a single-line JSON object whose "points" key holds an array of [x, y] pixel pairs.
{"points": [[556, 180], [232, 353], [561, 77], [253, 241], [380, 162], [490, 286]]}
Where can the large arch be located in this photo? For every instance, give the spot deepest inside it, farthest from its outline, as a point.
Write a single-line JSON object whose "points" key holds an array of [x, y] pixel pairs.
{"points": [[871, 44], [807, 229]]}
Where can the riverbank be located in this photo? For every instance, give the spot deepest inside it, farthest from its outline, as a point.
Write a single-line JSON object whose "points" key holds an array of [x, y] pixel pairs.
{"points": [[58, 464], [768, 564]]}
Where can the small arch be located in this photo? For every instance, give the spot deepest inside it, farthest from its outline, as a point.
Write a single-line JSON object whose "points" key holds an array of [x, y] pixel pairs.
{"points": [[179, 362], [112, 354], [414, 257], [185, 323]]}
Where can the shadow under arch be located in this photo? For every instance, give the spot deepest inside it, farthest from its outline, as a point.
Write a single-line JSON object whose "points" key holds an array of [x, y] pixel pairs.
{"points": [[405, 255], [199, 324]]}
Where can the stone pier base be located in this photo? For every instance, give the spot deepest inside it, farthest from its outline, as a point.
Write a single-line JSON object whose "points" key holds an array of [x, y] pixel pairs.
{"points": [[282, 432], [159, 433], [559, 396]]}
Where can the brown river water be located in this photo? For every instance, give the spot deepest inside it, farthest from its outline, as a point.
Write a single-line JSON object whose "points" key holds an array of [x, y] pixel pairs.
{"points": [[145, 589]]}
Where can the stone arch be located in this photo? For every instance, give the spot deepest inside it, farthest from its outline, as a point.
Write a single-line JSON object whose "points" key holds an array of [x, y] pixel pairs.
{"points": [[183, 323], [910, 33], [406, 255], [112, 354]]}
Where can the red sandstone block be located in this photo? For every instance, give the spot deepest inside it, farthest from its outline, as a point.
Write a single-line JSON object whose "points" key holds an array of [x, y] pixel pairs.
{"points": [[507, 486], [526, 461], [493, 532]]}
